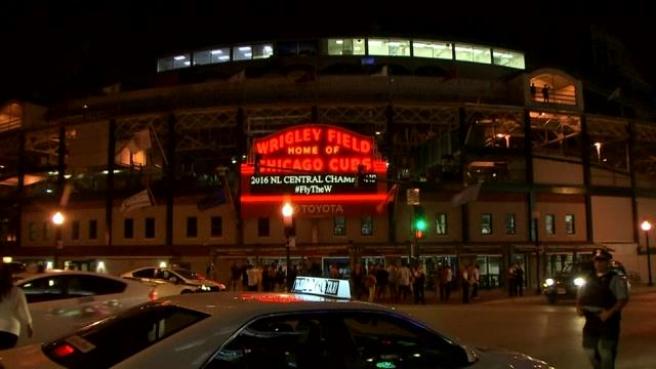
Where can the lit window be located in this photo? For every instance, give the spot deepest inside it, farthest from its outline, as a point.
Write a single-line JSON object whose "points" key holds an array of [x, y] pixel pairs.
{"points": [[339, 226], [440, 224], [242, 53], [507, 58], [473, 53], [262, 51], [550, 224], [511, 225], [570, 225], [213, 56], [432, 49], [173, 62], [345, 46], [486, 224], [389, 47], [367, 226]]}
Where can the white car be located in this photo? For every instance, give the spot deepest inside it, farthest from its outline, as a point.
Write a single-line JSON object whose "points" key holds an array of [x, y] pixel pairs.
{"points": [[259, 330], [63, 301], [187, 280]]}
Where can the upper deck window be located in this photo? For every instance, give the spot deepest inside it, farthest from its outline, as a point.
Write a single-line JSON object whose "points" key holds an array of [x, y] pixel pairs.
{"points": [[389, 47], [345, 46], [249, 52], [173, 62], [507, 58], [432, 49], [473, 53], [213, 56]]}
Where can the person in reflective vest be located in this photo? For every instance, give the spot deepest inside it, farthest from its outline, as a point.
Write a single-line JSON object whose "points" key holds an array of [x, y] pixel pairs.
{"points": [[601, 301]]}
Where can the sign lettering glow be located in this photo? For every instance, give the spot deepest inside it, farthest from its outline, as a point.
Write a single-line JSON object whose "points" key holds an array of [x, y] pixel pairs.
{"points": [[324, 169]]}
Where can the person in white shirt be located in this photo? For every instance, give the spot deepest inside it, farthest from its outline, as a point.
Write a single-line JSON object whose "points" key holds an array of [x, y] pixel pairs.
{"points": [[14, 312]]}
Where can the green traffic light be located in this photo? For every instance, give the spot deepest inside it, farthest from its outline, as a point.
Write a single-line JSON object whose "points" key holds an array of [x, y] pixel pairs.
{"points": [[420, 224]]}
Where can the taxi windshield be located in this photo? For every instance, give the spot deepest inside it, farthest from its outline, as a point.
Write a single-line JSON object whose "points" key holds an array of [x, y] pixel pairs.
{"points": [[110, 341]]}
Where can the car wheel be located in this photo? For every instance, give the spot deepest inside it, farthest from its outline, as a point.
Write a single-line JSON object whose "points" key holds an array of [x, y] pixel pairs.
{"points": [[184, 292], [551, 298]]}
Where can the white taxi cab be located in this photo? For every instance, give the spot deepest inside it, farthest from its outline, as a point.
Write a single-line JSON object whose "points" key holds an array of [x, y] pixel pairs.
{"points": [[186, 280], [265, 330], [63, 301]]}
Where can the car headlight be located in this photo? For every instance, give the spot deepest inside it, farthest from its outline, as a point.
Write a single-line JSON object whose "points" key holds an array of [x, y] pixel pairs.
{"points": [[549, 282], [579, 282]]}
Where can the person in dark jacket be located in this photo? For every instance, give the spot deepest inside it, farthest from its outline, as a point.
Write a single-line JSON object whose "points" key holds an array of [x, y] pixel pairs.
{"points": [[601, 301]]}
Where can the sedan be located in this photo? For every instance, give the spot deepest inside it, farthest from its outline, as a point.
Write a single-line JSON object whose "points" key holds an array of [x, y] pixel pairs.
{"points": [[251, 330], [186, 279], [63, 301]]}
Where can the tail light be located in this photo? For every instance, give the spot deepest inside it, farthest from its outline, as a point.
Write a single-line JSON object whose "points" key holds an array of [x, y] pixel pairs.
{"points": [[152, 296], [63, 350]]}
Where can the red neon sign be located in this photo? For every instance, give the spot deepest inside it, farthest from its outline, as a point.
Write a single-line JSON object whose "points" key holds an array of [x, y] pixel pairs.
{"points": [[314, 148], [314, 165]]}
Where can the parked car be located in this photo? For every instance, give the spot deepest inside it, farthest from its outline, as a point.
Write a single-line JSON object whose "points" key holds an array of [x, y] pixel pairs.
{"points": [[261, 330], [187, 280], [63, 301]]}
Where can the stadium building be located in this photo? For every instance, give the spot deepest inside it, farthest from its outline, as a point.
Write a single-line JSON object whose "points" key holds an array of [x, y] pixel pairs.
{"points": [[511, 162]]}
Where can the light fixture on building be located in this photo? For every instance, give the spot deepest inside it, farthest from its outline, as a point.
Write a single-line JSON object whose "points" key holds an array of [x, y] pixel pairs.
{"points": [[179, 57], [100, 267], [58, 218], [162, 264], [7, 259]]}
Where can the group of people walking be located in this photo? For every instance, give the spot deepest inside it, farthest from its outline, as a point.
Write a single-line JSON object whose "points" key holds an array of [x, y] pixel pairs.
{"points": [[396, 283]]}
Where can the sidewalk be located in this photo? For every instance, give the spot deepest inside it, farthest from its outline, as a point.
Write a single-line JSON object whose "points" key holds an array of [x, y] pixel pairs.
{"points": [[498, 296]]}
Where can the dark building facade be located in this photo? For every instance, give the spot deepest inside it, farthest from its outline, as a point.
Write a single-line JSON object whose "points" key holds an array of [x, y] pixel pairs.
{"points": [[511, 166]]}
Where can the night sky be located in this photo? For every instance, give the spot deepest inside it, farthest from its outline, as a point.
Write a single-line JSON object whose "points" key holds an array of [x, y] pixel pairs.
{"points": [[54, 50]]}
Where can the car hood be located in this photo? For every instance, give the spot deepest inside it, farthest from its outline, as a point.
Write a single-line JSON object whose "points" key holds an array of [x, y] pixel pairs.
{"points": [[26, 357], [498, 359]]}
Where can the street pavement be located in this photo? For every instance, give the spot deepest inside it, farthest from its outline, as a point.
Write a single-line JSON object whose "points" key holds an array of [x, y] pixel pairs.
{"points": [[548, 332]]}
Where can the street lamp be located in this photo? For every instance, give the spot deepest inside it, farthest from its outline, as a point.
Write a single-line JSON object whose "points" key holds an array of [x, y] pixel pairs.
{"points": [[646, 226], [287, 211], [58, 220]]}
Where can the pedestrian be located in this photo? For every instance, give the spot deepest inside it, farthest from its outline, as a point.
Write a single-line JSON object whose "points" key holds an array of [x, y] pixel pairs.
{"points": [[533, 91], [404, 281], [519, 280], [464, 277], [291, 277], [475, 280], [601, 301], [446, 281], [419, 280], [382, 278], [235, 275], [370, 283], [511, 277], [14, 311], [545, 93], [357, 281], [393, 273]]}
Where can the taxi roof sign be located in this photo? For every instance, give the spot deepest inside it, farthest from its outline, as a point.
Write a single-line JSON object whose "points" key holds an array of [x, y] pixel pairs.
{"points": [[325, 287]]}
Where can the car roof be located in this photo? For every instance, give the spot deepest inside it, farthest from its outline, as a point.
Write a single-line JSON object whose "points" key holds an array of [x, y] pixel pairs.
{"points": [[30, 276], [240, 306]]}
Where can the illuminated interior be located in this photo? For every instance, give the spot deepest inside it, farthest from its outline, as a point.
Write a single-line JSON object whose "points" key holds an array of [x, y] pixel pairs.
{"points": [[552, 88]]}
